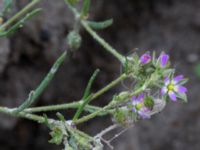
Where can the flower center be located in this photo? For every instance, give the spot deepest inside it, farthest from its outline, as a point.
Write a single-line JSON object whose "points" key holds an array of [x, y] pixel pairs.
{"points": [[170, 87], [138, 106]]}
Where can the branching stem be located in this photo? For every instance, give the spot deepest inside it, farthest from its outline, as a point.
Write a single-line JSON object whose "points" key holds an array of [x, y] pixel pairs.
{"points": [[19, 14]]}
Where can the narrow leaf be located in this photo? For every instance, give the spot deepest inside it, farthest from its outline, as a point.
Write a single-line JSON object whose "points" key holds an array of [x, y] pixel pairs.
{"points": [[182, 96], [33, 96], [183, 81], [86, 97], [85, 8], [89, 85], [60, 116], [20, 23], [100, 25]]}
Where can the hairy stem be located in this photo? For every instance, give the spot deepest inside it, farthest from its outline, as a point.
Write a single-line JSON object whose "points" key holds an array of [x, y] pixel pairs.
{"points": [[101, 41], [105, 131], [109, 86], [33, 117], [106, 108], [72, 105], [19, 14]]}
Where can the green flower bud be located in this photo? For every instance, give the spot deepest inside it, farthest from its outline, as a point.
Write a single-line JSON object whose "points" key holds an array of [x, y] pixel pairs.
{"points": [[56, 135], [122, 96], [148, 102], [74, 40], [124, 116]]}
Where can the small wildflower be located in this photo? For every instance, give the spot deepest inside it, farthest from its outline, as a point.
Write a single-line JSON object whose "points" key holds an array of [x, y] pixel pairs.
{"points": [[173, 87], [163, 60], [139, 106], [145, 58]]}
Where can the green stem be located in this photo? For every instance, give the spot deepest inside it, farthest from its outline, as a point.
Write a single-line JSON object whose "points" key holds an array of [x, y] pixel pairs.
{"points": [[107, 107], [77, 104], [98, 111], [106, 88], [72, 105], [110, 85], [19, 14], [90, 116], [32, 117], [101, 41], [35, 94]]}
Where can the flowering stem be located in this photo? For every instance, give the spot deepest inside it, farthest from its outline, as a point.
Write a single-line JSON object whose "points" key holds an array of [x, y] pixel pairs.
{"points": [[110, 85], [19, 14], [108, 107], [107, 46]]}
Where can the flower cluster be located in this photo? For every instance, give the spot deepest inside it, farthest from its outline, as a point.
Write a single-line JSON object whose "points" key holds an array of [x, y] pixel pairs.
{"points": [[170, 86], [162, 60]]}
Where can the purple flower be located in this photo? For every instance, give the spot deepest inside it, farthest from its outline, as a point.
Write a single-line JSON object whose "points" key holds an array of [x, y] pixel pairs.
{"points": [[139, 107], [163, 59], [173, 87], [145, 58]]}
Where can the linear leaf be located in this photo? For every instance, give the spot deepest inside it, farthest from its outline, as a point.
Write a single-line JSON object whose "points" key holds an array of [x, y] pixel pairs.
{"points": [[86, 95], [85, 8], [20, 23], [100, 25]]}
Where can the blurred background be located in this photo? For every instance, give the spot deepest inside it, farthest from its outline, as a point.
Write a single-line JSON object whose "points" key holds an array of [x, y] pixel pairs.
{"points": [[27, 55]]}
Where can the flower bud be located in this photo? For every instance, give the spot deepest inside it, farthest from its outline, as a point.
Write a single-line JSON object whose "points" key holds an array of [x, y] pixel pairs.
{"points": [[145, 58], [148, 102], [163, 60], [122, 96], [74, 40], [124, 116]]}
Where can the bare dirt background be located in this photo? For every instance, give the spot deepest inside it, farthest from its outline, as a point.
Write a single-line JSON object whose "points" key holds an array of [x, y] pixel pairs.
{"points": [[26, 56]]}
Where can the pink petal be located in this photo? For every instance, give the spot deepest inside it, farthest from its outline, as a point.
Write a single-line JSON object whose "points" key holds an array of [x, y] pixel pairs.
{"points": [[163, 60], [172, 95], [178, 78], [163, 90], [141, 96], [145, 58], [166, 81], [182, 89]]}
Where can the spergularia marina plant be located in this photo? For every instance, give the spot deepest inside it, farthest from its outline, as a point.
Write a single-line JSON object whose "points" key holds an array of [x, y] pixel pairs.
{"points": [[155, 83]]}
